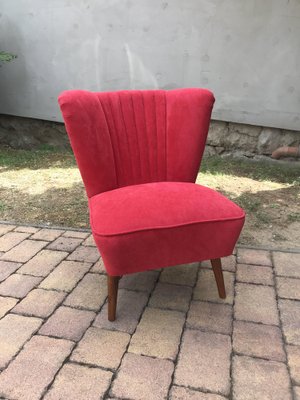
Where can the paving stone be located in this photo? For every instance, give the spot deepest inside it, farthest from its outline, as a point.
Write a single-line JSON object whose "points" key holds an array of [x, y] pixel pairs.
{"points": [[80, 383], [228, 264], [143, 378], [158, 333], [101, 347], [34, 368], [254, 256], [15, 330], [66, 276], [18, 285], [254, 274], [256, 303], [89, 241], [210, 317], [288, 288], [98, 267], [64, 244], [174, 297], [293, 353], [287, 264], [27, 229], [297, 392], [204, 361], [6, 304], [24, 251], [182, 393], [7, 268], [11, 239], [206, 288], [43, 263], [255, 379], [76, 234], [85, 253], [185, 274], [39, 303], [90, 293], [141, 281], [47, 234], [129, 309], [4, 228], [290, 317], [258, 340], [67, 323]]}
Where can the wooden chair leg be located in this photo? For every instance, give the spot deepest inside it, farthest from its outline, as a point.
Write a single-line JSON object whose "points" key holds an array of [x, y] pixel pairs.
{"points": [[112, 286], [217, 268]]}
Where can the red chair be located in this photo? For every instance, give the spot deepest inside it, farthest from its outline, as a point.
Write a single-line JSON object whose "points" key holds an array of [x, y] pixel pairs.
{"points": [[139, 154]]}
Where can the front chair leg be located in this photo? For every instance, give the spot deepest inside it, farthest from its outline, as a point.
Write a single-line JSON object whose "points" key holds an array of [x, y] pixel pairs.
{"points": [[217, 268], [112, 286]]}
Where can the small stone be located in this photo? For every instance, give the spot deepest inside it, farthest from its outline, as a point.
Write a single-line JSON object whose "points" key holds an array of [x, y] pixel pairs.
{"points": [[101, 348], [288, 288], [7, 268], [64, 244], [43, 263], [173, 297], [253, 256], [142, 281], [80, 383], [34, 368], [18, 285], [6, 304], [258, 340], [293, 353], [256, 303], [24, 251], [287, 264], [129, 309], [182, 393], [204, 361], [47, 234], [254, 274], [206, 288], [66, 276], [85, 253], [256, 379], [89, 294], [11, 239], [158, 333], [39, 303], [210, 317], [67, 323], [15, 330], [185, 274], [143, 378], [290, 317]]}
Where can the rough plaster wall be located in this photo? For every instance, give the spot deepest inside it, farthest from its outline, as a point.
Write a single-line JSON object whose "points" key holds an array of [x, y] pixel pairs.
{"points": [[246, 51]]}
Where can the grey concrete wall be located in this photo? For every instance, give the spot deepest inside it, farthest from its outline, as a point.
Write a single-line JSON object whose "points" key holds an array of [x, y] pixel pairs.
{"points": [[246, 51]]}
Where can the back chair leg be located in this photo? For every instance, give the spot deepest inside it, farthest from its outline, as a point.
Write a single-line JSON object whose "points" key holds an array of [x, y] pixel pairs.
{"points": [[112, 286], [217, 268]]}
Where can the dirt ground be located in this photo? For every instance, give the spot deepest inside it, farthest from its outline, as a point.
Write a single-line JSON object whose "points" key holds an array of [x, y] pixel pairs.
{"points": [[44, 187]]}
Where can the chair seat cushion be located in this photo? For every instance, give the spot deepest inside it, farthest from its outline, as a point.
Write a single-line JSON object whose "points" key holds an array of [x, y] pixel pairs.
{"points": [[159, 205], [165, 223]]}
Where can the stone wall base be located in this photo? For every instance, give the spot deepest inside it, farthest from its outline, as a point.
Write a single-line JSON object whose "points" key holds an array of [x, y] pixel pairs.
{"points": [[223, 138]]}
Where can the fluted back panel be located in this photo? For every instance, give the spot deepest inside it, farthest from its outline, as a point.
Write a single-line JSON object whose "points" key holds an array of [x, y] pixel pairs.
{"points": [[132, 137]]}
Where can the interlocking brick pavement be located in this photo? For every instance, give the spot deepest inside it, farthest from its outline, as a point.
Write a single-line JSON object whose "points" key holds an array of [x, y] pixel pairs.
{"points": [[173, 338]]}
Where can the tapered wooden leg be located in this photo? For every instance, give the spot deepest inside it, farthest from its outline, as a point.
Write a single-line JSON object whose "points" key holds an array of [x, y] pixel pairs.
{"points": [[112, 286], [217, 268]]}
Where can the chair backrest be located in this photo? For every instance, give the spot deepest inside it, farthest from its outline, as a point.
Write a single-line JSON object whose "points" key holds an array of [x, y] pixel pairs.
{"points": [[136, 136]]}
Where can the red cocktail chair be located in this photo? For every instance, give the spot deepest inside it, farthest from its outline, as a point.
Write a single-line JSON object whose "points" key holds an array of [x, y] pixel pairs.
{"points": [[139, 154]]}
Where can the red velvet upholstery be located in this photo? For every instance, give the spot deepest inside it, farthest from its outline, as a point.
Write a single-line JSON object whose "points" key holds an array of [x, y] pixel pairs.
{"points": [[137, 152]]}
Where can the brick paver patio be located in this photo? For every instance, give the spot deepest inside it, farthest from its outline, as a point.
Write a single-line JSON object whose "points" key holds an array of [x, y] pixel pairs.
{"points": [[173, 337]]}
